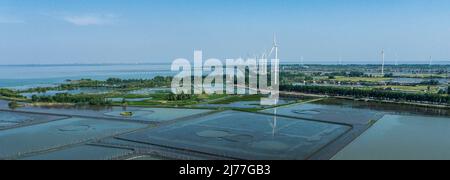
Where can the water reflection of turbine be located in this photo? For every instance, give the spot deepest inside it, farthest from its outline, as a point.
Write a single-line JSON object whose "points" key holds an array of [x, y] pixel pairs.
{"points": [[274, 122]]}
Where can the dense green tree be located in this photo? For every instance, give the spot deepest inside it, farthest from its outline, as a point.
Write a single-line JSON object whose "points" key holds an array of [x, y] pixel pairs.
{"points": [[430, 82], [10, 93], [179, 97], [378, 94], [389, 75], [13, 105], [356, 74], [80, 99]]}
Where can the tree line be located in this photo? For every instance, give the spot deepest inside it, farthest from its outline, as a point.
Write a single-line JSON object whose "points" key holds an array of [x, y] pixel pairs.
{"points": [[368, 93], [179, 97], [79, 99], [158, 81], [10, 93]]}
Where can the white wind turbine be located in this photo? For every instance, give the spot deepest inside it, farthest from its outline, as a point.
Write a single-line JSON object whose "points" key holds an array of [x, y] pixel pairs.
{"points": [[382, 65], [431, 60], [396, 59], [274, 49], [431, 64]]}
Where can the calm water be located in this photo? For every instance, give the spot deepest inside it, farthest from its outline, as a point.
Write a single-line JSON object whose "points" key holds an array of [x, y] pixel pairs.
{"points": [[244, 136], [139, 114], [59, 133], [402, 137], [418, 80], [83, 152], [26, 76]]}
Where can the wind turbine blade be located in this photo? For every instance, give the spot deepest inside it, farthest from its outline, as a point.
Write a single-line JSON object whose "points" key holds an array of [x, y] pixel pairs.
{"points": [[271, 51]]}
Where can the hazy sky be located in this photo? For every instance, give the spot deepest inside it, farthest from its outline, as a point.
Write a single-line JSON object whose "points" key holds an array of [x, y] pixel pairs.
{"points": [[119, 31]]}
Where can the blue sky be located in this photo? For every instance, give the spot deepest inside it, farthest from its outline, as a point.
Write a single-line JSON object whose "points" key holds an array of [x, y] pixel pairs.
{"points": [[118, 31]]}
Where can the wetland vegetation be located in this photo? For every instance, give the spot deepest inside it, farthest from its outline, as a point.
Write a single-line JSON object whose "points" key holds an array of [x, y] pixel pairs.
{"points": [[402, 83]]}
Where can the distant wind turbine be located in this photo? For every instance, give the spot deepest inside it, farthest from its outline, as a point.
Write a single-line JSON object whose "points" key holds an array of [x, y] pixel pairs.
{"points": [[431, 60], [382, 66], [302, 61], [431, 64], [396, 59]]}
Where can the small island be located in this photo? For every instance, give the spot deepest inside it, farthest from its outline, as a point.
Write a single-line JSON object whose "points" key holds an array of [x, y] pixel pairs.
{"points": [[126, 114], [14, 105]]}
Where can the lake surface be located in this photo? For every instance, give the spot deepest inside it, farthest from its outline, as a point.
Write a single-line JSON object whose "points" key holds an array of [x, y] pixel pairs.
{"points": [[27, 76]]}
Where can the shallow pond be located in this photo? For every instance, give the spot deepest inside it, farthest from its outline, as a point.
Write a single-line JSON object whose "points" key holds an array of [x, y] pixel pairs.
{"points": [[241, 104], [82, 152], [244, 136], [139, 114], [158, 114], [14, 119], [352, 112], [128, 99], [58, 133], [417, 80], [148, 91], [329, 113]]}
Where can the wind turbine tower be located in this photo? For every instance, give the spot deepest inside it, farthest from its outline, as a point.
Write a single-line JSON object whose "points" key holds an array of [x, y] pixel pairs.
{"points": [[396, 59], [275, 49], [302, 61], [431, 60], [431, 66], [382, 66]]}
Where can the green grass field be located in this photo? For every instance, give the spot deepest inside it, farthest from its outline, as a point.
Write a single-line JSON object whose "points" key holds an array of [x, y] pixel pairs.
{"points": [[236, 98]]}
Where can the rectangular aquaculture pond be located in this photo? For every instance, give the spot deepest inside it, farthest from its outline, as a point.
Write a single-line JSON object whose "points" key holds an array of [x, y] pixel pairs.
{"points": [[328, 112], [127, 113], [156, 114], [55, 134], [14, 119], [242, 104], [241, 135], [82, 152]]}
